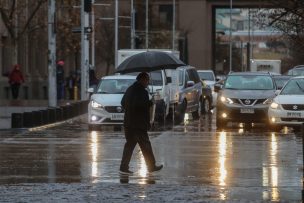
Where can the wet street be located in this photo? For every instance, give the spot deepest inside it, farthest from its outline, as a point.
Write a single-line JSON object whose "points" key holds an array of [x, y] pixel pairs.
{"points": [[68, 163]]}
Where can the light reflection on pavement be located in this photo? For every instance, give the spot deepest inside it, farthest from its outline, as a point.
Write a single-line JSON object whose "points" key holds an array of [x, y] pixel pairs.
{"points": [[239, 163]]}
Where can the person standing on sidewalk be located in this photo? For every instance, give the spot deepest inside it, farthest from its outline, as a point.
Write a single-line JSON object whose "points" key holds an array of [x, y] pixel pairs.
{"points": [[60, 80], [15, 80], [137, 105]]}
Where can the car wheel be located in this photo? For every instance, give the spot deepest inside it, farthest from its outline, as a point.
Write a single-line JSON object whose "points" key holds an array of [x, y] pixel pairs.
{"points": [[274, 128], [179, 117], [220, 124], [196, 114], [93, 127], [206, 106], [117, 128]]}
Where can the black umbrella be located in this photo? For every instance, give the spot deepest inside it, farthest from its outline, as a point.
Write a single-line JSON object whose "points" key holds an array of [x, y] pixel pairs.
{"points": [[149, 61]]}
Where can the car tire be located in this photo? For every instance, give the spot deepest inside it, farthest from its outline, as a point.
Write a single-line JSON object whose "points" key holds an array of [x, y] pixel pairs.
{"points": [[179, 117], [117, 128], [274, 128], [92, 127], [196, 114], [220, 124], [206, 106]]}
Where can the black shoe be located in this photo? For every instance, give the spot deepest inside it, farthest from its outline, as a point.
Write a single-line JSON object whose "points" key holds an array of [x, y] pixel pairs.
{"points": [[125, 172], [155, 168]]}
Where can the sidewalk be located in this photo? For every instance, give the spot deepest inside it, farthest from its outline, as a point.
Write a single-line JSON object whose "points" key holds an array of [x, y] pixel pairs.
{"points": [[7, 107]]}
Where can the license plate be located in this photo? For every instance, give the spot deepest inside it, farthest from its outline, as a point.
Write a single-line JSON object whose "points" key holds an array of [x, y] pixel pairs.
{"points": [[117, 116], [247, 110], [294, 114]]}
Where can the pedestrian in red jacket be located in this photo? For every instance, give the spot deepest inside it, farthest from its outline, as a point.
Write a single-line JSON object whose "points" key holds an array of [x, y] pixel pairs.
{"points": [[15, 80]]}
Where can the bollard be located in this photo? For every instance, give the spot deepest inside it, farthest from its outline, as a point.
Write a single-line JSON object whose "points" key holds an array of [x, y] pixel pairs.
{"points": [[59, 114], [75, 92], [65, 112], [37, 118], [17, 120], [28, 119], [52, 115], [45, 116]]}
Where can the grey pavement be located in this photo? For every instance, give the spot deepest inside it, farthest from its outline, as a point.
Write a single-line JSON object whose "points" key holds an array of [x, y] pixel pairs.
{"points": [[67, 163]]}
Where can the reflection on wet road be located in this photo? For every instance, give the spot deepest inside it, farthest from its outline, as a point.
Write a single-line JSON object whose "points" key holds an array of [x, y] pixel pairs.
{"points": [[239, 163]]}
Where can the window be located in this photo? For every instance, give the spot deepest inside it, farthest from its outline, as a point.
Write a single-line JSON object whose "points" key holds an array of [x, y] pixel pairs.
{"points": [[166, 14]]}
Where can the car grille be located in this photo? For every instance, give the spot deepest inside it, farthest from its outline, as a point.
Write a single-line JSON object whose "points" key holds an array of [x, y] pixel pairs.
{"points": [[248, 102], [293, 119], [293, 107], [114, 109]]}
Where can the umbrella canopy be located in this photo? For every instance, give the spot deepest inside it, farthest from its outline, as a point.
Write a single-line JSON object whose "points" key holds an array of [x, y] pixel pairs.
{"points": [[149, 61]]}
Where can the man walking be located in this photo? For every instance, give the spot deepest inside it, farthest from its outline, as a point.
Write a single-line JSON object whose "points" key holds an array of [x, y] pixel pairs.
{"points": [[137, 105]]}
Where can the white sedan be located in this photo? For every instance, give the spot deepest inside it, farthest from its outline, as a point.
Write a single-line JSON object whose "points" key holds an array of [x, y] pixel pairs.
{"points": [[287, 108], [104, 107]]}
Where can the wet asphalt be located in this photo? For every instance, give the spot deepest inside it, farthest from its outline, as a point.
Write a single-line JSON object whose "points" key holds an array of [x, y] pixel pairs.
{"points": [[69, 163]]}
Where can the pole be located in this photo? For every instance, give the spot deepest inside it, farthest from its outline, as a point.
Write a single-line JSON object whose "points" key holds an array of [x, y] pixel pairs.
{"points": [[173, 26], [147, 23], [93, 36], [116, 33], [84, 53], [230, 39], [52, 90], [132, 26], [249, 43]]}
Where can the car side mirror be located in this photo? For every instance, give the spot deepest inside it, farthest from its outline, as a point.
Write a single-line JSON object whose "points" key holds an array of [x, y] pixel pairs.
{"points": [[169, 80], [277, 92], [90, 90], [217, 87], [190, 83]]}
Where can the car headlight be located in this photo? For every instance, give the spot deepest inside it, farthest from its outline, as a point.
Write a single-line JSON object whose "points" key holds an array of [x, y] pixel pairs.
{"points": [[96, 105], [274, 105], [226, 100], [267, 101]]}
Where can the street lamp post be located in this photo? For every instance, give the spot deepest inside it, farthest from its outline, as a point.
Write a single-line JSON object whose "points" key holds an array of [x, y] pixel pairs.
{"points": [[116, 33], [230, 39], [173, 27], [147, 24], [52, 91]]}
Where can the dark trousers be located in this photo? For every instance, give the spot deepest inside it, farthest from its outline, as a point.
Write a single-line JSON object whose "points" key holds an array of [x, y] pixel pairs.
{"points": [[15, 90], [134, 136]]}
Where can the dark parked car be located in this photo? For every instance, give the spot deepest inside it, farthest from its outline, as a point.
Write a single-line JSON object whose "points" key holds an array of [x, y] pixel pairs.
{"points": [[190, 94], [244, 98]]}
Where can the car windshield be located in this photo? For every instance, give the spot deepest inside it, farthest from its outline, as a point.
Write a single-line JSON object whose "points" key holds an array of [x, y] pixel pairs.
{"points": [[280, 82], [206, 76], [294, 86], [249, 82], [114, 86], [156, 78]]}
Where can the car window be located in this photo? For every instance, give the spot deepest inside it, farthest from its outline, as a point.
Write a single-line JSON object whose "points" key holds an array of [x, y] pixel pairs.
{"points": [[206, 76], [181, 77], [114, 86], [280, 82], [249, 82], [156, 78], [295, 86]]}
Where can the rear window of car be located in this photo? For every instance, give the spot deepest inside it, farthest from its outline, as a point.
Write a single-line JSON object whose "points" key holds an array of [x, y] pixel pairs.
{"points": [[249, 82], [206, 76], [114, 86]]}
